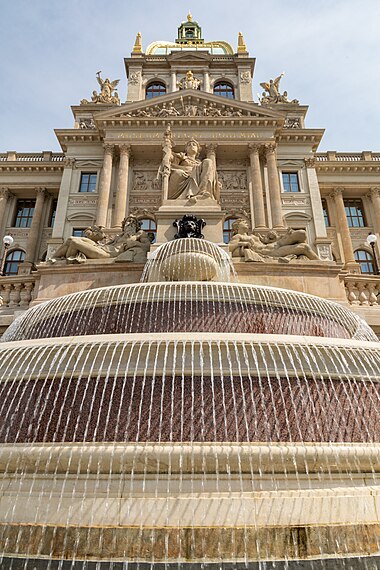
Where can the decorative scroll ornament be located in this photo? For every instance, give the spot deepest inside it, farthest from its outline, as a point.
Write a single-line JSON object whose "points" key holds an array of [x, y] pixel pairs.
{"points": [[272, 93], [189, 227], [108, 93]]}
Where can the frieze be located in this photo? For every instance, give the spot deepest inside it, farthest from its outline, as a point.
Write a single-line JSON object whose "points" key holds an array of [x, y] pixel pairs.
{"points": [[144, 181], [182, 135], [18, 233], [192, 109], [83, 200], [146, 201], [231, 201], [295, 201], [233, 180]]}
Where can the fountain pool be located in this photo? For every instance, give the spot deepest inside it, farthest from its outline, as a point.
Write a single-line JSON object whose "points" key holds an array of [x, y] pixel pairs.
{"points": [[189, 423]]}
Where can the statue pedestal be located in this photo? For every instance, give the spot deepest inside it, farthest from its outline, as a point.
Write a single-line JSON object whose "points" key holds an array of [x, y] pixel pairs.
{"points": [[171, 210]]}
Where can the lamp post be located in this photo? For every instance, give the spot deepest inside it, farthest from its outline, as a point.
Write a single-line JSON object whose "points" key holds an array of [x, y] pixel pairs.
{"points": [[7, 242], [371, 240]]}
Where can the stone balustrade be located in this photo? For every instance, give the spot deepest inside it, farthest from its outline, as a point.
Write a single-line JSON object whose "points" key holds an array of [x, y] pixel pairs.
{"points": [[363, 290], [46, 156], [346, 156], [16, 292]]}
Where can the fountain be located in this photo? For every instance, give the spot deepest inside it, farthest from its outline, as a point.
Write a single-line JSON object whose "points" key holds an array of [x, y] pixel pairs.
{"points": [[189, 421]]}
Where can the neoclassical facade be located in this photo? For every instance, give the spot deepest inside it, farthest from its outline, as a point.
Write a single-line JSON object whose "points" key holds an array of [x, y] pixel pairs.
{"points": [[264, 163]]}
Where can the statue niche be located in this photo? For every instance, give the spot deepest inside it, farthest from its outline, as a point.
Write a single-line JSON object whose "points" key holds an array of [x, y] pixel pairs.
{"points": [[185, 176]]}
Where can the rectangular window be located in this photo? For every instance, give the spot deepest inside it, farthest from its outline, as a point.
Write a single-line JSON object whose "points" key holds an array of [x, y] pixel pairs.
{"points": [[290, 181], [88, 182], [355, 213], [78, 232], [24, 213], [52, 213], [325, 213]]}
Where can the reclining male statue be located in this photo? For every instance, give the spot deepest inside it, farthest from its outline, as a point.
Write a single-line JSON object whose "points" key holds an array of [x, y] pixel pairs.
{"points": [[284, 247], [132, 244]]}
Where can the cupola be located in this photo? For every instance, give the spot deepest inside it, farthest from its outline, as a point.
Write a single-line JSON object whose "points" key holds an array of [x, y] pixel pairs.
{"points": [[189, 32]]}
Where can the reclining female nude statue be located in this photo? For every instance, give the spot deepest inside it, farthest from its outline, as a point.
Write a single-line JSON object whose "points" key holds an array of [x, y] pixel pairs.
{"points": [[257, 248], [132, 244]]}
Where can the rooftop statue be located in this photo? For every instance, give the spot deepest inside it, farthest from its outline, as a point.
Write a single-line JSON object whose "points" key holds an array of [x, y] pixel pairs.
{"points": [[189, 82], [185, 176], [272, 93], [108, 93], [262, 248], [132, 244]]}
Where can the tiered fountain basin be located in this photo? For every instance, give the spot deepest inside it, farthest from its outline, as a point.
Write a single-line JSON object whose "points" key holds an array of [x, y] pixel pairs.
{"points": [[175, 450], [189, 424], [189, 307]]}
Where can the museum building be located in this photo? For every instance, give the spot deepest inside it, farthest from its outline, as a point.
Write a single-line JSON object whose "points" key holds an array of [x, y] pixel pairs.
{"points": [[268, 172]]}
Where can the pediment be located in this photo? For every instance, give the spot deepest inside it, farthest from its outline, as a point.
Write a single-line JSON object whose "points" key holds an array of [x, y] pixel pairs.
{"points": [[192, 104], [185, 55]]}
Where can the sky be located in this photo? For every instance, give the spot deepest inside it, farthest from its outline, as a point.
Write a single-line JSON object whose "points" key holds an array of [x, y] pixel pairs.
{"points": [[51, 51]]}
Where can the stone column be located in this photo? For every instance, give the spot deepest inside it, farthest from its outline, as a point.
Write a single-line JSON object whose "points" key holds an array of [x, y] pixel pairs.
{"points": [[173, 81], [322, 242], [374, 195], [274, 186], [121, 200], [206, 81], [4, 196], [344, 230], [257, 186], [104, 186], [36, 227]]}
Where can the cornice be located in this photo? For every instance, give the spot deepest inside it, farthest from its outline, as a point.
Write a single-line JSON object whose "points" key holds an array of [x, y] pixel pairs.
{"points": [[27, 167], [300, 136]]}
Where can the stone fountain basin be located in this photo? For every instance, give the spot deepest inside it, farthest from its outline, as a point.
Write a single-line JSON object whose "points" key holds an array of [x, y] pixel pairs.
{"points": [[189, 307], [201, 388]]}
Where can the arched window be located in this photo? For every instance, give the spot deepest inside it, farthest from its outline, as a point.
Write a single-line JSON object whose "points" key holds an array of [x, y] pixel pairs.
{"points": [[12, 261], [224, 89], [366, 261], [155, 89], [149, 226], [227, 229]]}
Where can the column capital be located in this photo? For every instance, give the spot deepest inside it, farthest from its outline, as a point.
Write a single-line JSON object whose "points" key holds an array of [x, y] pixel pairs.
{"points": [[41, 191], [5, 193], [211, 149], [374, 191], [125, 150], [270, 148], [69, 162], [255, 147], [108, 148], [310, 161], [336, 192]]}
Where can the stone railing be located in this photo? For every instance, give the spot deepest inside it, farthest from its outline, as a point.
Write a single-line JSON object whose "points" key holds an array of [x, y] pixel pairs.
{"points": [[46, 156], [346, 156], [363, 290], [16, 291]]}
